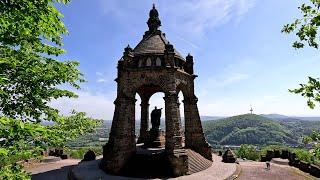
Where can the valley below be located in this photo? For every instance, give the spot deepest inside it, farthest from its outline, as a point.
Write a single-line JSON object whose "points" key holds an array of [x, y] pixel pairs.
{"points": [[252, 129]]}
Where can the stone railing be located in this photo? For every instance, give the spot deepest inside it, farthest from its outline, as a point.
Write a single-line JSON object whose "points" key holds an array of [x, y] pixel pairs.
{"points": [[55, 152]]}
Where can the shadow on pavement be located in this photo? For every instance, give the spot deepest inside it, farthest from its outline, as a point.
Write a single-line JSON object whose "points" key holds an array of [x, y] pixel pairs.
{"points": [[61, 174]]}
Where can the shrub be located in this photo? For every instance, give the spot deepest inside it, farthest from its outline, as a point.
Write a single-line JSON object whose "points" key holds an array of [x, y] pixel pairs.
{"points": [[248, 152], [304, 155]]}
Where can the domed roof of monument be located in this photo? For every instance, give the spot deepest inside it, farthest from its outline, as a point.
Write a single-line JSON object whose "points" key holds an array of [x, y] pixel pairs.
{"points": [[154, 41], [153, 44]]}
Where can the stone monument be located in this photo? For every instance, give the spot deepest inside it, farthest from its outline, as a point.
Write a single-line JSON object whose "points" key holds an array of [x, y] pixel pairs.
{"points": [[154, 65], [229, 156], [155, 118], [156, 138]]}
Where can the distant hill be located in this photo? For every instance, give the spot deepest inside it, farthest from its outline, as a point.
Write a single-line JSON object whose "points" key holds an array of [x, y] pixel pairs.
{"points": [[236, 130], [208, 118], [275, 116], [256, 129], [308, 118], [280, 117], [300, 127]]}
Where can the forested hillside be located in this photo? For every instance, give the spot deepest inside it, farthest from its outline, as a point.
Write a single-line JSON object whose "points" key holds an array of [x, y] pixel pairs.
{"points": [[259, 130], [236, 130]]}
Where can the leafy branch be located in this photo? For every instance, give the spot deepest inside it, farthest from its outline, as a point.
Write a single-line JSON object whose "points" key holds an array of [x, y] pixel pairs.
{"points": [[306, 29], [310, 90]]}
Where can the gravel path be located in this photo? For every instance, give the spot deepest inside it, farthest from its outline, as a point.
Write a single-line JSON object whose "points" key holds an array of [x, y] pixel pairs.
{"points": [[256, 170]]}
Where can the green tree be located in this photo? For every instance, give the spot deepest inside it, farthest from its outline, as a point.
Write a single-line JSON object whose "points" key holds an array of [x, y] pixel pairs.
{"points": [[248, 151], [26, 140], [306, 140], [30, 77], [30, 40], [315, 137], [304, 155], [306, 29]]}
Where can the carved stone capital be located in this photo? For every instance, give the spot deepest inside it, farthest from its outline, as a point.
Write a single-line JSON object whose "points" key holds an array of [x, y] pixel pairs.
{"points": [[144, 104], [171, 95], [191, 100]]}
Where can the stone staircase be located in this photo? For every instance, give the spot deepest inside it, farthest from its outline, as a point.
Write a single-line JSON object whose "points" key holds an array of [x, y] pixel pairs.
{"points": [[196, 162], [153, 165]]}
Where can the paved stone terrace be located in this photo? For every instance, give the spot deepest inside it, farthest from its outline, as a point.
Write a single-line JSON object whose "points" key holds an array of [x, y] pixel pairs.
{"points": [[52, 170], [219, 170], [90, 171], [256, 170]]}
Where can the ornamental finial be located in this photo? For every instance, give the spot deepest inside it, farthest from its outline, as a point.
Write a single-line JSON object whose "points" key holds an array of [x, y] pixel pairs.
{"points": [[153, 22]]}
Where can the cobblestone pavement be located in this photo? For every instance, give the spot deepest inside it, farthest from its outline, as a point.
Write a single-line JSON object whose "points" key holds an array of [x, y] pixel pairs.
{"points": [[256, 170]]}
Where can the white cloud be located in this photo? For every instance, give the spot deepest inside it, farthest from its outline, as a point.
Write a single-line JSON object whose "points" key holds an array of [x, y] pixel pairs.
{"points": [[101, 80], [104, 77], [243, 7], [99, 73], [95, 105], [187, 18], [195, 17], [226, 80], [233, 73], [193, 45]]}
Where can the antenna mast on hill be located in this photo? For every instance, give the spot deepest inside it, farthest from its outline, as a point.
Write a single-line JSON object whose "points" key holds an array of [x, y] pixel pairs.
{"points": [[251, 110]]}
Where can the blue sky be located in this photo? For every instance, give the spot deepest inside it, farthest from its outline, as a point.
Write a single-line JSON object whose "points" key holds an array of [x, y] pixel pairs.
{"points": [[240, 54]]}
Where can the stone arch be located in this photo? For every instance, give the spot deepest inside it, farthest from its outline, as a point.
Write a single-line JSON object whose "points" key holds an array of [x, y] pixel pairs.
{"points": [[145, 88], [160, 84], [192, 124], [185, 88]]}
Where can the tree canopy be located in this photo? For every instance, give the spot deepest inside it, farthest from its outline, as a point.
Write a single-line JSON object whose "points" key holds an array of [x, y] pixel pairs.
{"points": [[30, 41], [306, 29], [31, 76]]}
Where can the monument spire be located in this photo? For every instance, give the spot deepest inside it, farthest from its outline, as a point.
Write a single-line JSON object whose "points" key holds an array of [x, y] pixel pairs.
{"points": [[153, 22]]}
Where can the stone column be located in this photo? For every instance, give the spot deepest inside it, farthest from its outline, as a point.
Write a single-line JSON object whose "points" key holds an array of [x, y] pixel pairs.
{"points": [[121, 145], [169, 55], [144, 126], [173, 131], [194, 136], [177, 156]]}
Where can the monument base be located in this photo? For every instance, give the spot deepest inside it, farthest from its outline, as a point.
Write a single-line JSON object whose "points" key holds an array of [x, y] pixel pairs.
{"points": [[154, 163], [156, 139]]}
